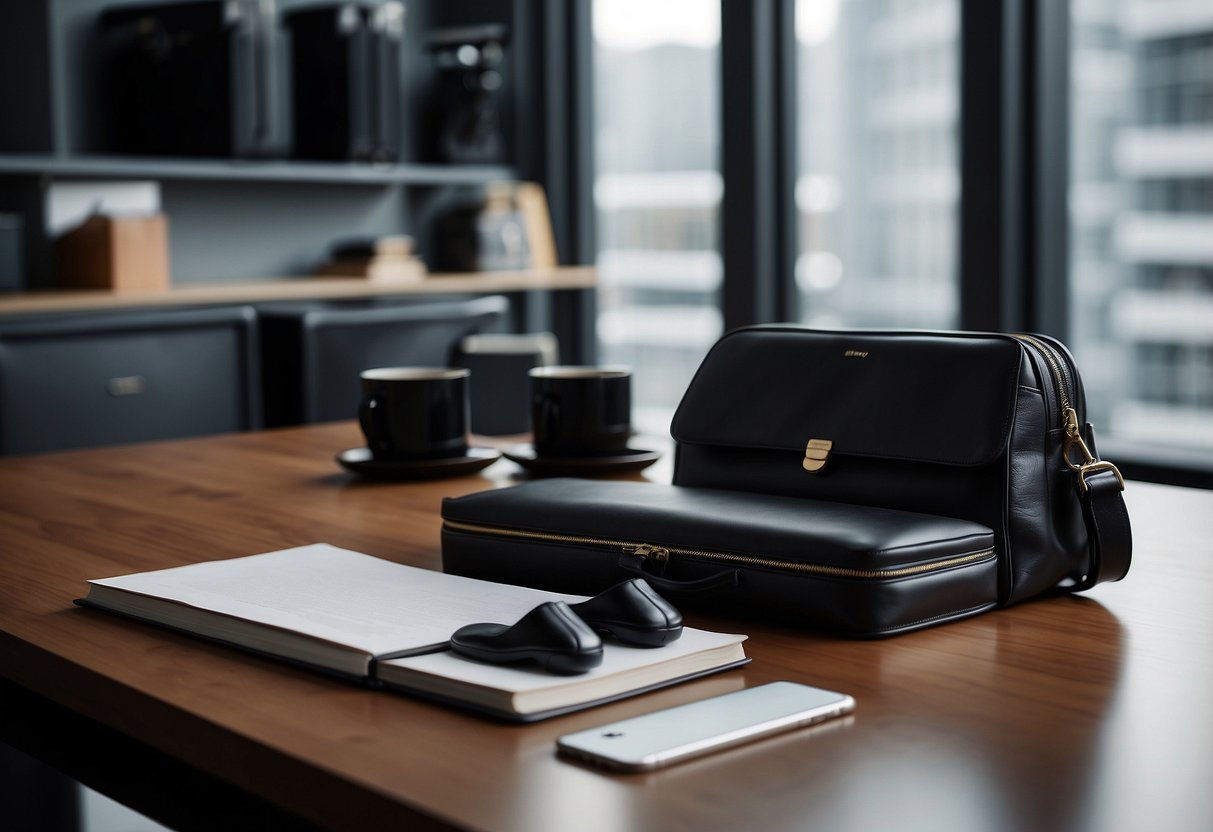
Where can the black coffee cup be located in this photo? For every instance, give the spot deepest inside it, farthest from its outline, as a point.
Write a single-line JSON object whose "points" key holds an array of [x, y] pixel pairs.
{"points": [[415, 412], [581, 411]]}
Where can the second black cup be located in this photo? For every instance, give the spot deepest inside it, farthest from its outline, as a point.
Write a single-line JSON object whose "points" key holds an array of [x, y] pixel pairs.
{"points": [[581, 411], [415, 412]]}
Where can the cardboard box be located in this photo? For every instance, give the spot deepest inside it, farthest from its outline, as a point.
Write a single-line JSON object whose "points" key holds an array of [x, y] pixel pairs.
{"points": [[116, 253]]}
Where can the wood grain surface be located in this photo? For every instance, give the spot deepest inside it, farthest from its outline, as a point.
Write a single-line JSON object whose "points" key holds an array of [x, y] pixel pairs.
{"points": [[298, 288], [1064, 713]]}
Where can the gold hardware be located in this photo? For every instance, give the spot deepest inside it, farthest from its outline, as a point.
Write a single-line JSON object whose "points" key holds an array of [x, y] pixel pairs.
{"points": [[644, 550], [1074, 438], [1054, 367], [855, 354], [1090, 463], [1098, 465], [816, 453], [664, 553]]}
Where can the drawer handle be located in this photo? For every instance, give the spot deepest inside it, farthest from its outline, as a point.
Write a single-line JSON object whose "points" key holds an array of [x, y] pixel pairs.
{"points": [[127, 385]]}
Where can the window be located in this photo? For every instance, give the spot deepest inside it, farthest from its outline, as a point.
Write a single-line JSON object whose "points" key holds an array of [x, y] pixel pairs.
{"points": [[1141, 217], [880, 105], [657, 193], [877, 188]]}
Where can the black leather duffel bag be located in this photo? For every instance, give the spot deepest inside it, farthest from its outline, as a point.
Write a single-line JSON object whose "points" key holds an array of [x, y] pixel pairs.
{"points": [[868, 483]]}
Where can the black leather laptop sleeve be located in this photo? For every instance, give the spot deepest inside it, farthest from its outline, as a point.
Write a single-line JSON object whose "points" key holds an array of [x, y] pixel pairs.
{"points": [[854, 570]]}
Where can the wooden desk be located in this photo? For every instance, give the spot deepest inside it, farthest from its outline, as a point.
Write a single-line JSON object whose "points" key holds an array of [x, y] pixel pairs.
{"points": [[1066, 713]]}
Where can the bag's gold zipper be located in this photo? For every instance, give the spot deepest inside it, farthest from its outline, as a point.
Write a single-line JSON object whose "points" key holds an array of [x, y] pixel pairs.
{"points": [[1088, 462], [661, 554], [1059, 379]]}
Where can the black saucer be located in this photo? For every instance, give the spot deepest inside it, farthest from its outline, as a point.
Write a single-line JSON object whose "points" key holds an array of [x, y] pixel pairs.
{"points": [[632, 459], [361, 461]]}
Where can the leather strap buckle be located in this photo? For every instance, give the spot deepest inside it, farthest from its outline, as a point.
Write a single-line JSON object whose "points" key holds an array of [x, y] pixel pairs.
{"points": [[1094, 466]]}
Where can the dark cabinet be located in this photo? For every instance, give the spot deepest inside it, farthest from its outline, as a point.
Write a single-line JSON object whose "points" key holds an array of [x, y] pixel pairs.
{"points": [[69, 382]]}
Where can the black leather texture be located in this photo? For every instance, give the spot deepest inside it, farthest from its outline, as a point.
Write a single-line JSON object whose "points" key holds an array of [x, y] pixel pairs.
{"points": [[966, 425], [940, 444], [850, 569], [926, 398], [632, 613], [551, 635]]}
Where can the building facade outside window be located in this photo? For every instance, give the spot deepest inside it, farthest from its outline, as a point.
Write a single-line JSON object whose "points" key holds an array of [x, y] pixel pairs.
{"points": [[878, 184], [1141, 217], [878, 192], [657, 194]]}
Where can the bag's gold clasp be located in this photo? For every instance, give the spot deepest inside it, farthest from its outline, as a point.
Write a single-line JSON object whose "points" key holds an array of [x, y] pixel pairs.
{"points": [[816, 454], [1089, 464]]}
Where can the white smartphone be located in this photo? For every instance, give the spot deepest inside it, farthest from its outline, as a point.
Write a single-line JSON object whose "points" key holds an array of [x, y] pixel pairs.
{"points": [[675, 734]]}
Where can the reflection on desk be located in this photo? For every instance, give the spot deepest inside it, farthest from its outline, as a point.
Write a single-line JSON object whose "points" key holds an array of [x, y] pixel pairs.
{"points": [[1058, 713]]}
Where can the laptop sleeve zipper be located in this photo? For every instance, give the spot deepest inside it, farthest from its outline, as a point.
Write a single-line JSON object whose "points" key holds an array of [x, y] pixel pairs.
{"points": [[660, 556]]}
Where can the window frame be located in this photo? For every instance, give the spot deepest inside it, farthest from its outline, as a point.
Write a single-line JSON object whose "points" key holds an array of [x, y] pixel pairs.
{"points": [[1013, 219], [555, 118], [758, 165]]}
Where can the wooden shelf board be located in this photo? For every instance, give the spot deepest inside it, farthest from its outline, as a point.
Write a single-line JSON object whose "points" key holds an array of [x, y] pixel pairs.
{"points": [[227, 170], [305, 288]]}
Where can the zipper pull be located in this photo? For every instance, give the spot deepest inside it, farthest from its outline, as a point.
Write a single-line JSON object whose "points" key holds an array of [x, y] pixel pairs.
{"points": [[644, 550], [1074, 438], [1070, 422], [645, 559], [659, 555]]}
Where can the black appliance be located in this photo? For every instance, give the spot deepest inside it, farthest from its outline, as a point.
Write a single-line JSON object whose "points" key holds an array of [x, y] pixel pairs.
{"points": [[195, 79], [466, 102], [345, 67]]}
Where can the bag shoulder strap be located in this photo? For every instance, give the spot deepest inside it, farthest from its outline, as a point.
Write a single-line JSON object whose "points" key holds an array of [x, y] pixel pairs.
{"points": [[1108, 531]]}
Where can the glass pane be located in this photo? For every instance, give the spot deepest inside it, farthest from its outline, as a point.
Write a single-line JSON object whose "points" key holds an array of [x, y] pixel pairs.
{"points": [[1141, 217], [878, 184], [657, 193]]}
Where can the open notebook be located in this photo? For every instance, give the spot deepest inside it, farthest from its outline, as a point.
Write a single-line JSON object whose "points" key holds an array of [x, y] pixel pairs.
{"points": [[386, 624]]}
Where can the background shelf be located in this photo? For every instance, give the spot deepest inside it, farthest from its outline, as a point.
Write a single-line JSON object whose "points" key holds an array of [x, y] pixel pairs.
{"points": [[227, 170], [300, 289]]}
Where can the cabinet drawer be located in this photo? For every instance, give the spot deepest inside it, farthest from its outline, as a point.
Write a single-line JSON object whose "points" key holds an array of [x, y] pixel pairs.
{"points": [[96, 380]]}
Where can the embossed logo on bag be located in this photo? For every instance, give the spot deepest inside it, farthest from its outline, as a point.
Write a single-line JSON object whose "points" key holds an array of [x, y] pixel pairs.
{"points": [[855, 354]]}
